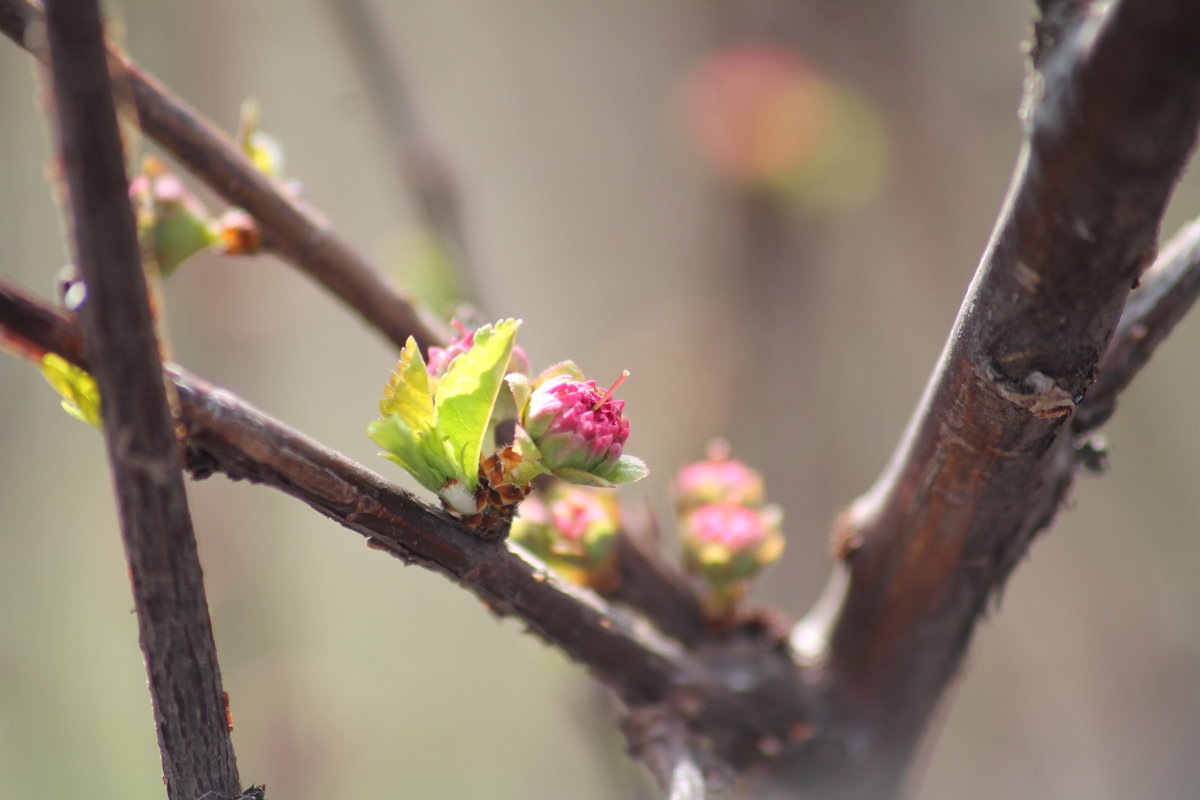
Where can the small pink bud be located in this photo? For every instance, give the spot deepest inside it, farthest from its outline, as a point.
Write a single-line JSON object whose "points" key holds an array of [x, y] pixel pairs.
{"points": [[576, 426], [728, 543], [440, 357], [574, 531], [717, 479]]}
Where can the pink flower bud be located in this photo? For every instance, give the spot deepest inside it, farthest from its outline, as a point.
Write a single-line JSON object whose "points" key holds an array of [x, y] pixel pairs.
{"points": [[440, 357], [576, 426], [728, 542], [574, 531], [717, 479]]}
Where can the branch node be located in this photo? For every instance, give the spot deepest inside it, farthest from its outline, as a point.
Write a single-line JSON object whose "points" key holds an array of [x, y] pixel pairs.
{"points": [[1038, 393]]}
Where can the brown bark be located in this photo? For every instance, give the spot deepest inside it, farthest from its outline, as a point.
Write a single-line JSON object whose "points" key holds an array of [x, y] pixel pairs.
{"points": [[1035, 362], [118, 331], [1112, 115]]}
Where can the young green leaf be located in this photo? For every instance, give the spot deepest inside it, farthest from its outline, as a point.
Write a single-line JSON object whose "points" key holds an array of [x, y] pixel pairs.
{"points": [[407, 394], [467, 393], [80, 397]]}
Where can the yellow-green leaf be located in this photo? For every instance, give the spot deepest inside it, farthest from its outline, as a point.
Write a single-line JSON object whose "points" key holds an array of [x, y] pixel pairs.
{"points": [[467, 393], [81, 398]]}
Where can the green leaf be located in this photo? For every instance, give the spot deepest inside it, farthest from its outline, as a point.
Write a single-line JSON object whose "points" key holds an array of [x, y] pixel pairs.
{"points": [[80, 397], [407, 394], [627, 470], [467, 393], [410, 450], [407, 429]]}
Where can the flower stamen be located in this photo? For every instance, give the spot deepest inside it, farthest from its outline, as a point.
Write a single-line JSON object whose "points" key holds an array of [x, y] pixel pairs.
{"points": [[609, 393]]}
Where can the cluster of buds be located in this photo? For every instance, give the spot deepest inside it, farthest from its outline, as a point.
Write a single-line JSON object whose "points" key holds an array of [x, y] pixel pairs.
{"points": [[574, 530], [173, 225], [728, 534], [436, 416]]}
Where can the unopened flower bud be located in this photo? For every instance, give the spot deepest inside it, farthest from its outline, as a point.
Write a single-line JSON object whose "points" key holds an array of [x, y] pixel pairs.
{"points": [[717, 479], [573, 531], [576, 426], [172, 224], [727, 542], [440, 357]]}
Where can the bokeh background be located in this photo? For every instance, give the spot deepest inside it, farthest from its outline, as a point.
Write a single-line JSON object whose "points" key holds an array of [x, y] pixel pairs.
{"points": [[767, 210]]}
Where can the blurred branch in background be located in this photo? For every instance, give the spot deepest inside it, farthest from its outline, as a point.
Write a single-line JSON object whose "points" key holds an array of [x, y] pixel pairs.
{"points": [[296, 231], [422, 170]]}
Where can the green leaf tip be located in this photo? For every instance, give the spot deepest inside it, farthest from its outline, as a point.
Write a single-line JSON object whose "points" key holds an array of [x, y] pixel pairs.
{"points": [[80, 397]]}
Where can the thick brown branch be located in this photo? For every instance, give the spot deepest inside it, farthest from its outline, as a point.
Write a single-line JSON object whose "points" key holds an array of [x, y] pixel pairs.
{"points": [[642, 667], [1112, 115], [164, 567], [299, 234]]}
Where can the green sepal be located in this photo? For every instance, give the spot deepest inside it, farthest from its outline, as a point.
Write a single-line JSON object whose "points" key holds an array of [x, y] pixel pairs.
{"points": [[568, 369], [521, 389], [80, 397], [581, 478], [627, 470], [176, 235], [531, 457]]}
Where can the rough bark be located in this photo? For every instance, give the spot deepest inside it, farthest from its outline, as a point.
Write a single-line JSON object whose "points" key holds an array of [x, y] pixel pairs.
{"points": [[118, 331], [1111, 113]]}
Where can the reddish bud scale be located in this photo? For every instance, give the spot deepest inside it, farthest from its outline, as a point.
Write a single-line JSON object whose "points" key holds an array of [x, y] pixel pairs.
{"points": [[497, 497]]}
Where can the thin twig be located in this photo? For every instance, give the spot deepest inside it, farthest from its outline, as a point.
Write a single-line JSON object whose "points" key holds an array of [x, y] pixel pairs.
{"points": [[225, 434], [1168, 290], [660, 742], [421, 165], [164, 567], [299, 234], [1112, 114]]}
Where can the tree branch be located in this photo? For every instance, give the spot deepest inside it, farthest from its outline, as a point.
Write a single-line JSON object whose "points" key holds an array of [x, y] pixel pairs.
{"points": [[1111, 115], [423, 171], [299, 234], [663, 745], [168, 587], [644, 669], [1168, 290]]}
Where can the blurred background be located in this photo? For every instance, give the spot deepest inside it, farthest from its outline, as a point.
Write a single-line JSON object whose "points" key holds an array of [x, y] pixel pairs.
{"points": [[767, 211]]}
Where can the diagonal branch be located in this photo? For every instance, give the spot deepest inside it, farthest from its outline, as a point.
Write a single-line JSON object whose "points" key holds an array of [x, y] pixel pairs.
{"points": [[1111, 113], [422, 169], [643, 668], [164, 566], [1168, 290], [298, 233]]}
